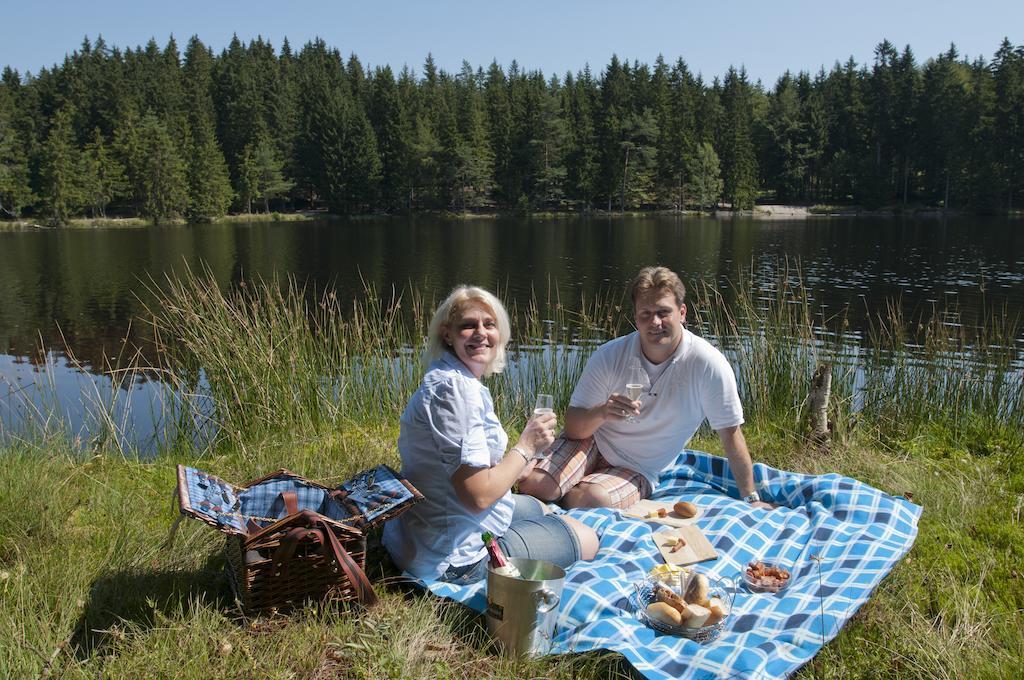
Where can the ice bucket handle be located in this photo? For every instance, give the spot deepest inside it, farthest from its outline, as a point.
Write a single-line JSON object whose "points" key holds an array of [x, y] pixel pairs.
{"points": [[549, 599]]}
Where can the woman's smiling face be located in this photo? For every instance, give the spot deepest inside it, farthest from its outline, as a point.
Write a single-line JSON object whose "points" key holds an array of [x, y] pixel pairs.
{"points": [[474, 338]]}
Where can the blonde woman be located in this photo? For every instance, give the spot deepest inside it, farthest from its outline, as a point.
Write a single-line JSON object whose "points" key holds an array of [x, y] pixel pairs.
{"points": [[455, 451]]}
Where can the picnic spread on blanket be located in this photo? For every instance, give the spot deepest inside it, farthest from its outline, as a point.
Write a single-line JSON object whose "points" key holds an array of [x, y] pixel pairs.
{"points": [[784, 583]]}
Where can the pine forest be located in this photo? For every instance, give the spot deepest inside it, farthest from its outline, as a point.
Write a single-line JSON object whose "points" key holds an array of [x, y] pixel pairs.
{"points": [[157, 133]]}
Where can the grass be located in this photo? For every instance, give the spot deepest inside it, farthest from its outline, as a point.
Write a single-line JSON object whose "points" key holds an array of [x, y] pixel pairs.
{"points": [[294, 378]]}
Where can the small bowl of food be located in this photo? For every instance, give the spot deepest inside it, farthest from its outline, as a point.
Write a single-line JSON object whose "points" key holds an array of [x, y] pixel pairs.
{"points": [[695, 607], [766, 577]]}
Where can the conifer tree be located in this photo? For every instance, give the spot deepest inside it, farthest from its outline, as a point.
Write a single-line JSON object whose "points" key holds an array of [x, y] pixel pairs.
{"points": [[536, 140], [161, 181], [392, 137], [883, 125], [674, 102], [59, 165], [738, 160], [611, 153], [240, 84], [943, 103], [101, 176], [15, 192], [1008, 71], [815, 126], [981, 167], [284, 109], [908, 91], [318, 73], [499, 118], [786, 157], [449, 175], [262, 175], [551, 175], [475, 161], [580, 153], [350, 161], [640, 135], [705, 173], [849, 151], [248, 177], [209, 186]]}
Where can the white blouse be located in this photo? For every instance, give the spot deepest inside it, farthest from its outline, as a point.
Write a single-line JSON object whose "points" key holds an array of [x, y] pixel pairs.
{"points": [[449, 422]]}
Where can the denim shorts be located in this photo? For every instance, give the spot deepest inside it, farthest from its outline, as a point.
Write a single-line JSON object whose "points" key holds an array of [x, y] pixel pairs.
{"points": [[533, 535]]}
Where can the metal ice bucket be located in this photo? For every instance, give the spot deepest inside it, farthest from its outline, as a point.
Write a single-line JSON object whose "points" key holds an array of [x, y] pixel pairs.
{"points": [[521, 612]]}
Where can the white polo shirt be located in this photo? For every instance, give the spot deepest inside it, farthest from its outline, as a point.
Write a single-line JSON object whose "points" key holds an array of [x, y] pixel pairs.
{"points": [[697, 384], [449, 422]]}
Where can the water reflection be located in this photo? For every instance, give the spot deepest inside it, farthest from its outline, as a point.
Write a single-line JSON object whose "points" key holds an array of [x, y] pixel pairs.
{"points": [[89, 289]]}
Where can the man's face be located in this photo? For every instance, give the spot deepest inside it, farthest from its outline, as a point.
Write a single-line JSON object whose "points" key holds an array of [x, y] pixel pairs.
{"points": [[659, 320]]}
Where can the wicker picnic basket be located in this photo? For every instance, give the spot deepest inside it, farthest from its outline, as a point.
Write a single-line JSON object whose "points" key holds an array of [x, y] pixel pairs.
{"points": [[290, 539]]}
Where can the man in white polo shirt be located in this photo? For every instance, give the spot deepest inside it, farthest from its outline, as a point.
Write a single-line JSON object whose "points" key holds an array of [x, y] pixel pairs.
{"points": [[613, 447]]}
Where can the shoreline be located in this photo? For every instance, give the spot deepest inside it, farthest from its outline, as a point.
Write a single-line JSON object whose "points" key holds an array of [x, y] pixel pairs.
{"points": [[766, 212]]}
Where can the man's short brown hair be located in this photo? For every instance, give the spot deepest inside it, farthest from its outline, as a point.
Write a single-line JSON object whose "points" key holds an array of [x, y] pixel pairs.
{"points": [[657, 279]]}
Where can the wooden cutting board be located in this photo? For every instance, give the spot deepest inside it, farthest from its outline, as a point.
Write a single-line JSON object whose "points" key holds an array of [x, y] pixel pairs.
{"points": [[697, 549], [641, 509]]}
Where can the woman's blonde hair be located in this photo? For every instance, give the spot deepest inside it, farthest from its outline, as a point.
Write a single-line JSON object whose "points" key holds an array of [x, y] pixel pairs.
{"points": [[449, 313]]}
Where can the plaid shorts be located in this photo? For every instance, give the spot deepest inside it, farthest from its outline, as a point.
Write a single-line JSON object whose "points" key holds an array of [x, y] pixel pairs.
{"points": [[573, 461]]}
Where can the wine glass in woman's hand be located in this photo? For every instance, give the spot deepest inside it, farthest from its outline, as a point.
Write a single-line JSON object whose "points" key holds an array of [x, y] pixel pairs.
{"points": [[540, 429], [545, 404]]}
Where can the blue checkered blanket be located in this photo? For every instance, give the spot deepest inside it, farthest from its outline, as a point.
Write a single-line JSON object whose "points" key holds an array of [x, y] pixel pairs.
{"points": [[838, 537]]}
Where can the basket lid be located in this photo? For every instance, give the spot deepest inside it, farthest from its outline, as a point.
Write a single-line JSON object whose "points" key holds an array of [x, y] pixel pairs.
{"points": [[209, 499], [369, 498], [377, 495]]}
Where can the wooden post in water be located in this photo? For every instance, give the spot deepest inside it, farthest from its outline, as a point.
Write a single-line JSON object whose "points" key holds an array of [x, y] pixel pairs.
{"points": [[821, 390]]}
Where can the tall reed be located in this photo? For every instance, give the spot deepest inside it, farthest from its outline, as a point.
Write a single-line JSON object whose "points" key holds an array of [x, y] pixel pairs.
{"points": [[775, 338], [273, 356], [936, 370]]}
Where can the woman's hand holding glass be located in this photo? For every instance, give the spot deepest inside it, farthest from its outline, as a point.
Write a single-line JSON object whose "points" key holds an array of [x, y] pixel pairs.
{"points": [[539, 432]]}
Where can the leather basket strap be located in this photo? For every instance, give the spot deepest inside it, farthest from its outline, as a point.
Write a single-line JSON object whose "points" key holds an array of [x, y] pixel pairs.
{"points": [[291, 502], [284, 553], [318, 531], [356, 575]]}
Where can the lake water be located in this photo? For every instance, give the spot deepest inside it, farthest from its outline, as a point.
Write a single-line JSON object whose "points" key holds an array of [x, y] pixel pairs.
{"points": [[84, 290]]}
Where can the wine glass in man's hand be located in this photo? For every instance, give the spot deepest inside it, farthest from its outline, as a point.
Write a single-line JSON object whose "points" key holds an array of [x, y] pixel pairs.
{"points": [[636, 383]]}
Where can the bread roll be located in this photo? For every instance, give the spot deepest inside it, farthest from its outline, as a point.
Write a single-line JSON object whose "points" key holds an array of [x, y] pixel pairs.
{"points": [[695, 616], [697, 590], [660, 611], [685, 509], [718, 611], [667, 596]]}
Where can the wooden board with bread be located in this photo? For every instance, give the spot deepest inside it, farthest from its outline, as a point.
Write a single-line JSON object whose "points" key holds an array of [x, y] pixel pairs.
{"points": [[673, 514], [684, 545]]}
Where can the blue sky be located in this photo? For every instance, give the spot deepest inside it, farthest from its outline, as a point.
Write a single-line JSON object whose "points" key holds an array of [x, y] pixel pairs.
{"points": [[767, 37]]}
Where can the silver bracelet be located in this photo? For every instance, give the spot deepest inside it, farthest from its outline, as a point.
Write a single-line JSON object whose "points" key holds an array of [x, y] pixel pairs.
{"points": [[526, 459], [752, 497]]}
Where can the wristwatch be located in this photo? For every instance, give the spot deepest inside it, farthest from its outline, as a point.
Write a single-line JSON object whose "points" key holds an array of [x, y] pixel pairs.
{"points": [[752, 497]]}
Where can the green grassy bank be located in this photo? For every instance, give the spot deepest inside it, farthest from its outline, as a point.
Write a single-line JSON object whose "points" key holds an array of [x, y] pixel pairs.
{"points": [[90, 590], [89, 587]]}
